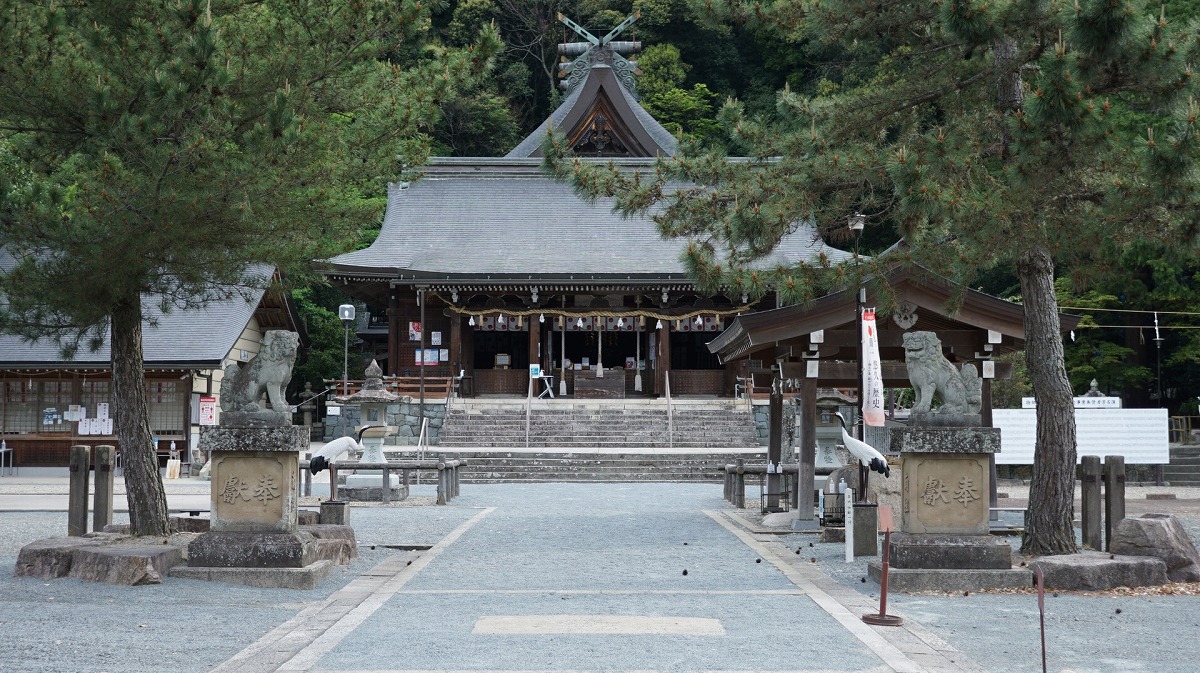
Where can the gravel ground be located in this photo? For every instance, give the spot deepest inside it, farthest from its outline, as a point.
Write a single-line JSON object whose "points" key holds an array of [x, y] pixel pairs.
{"points": [[1086, 632], [602, 538]]}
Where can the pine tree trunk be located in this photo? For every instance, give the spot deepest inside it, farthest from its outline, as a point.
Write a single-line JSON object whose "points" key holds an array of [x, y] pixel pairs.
{"points": [[1049, 525], [148, 513]]}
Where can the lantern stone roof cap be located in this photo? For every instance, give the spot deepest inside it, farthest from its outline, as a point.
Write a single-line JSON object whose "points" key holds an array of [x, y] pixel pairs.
{"points": [[372, 391]]}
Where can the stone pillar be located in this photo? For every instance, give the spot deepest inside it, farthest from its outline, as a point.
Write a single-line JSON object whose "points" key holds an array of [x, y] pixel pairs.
{"points": [[806, 478], [77, 504], [335, 512], [1114, 496], [774, 445], [1090, 514], [105, 470], [866, 529]]}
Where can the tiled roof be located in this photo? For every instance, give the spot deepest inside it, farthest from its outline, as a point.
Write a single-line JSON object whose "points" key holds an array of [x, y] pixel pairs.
{"points": [[192, 338], [493, 219]]}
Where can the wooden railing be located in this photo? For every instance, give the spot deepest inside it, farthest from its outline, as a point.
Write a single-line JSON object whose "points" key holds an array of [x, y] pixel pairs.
{"points": [[435, 386]]}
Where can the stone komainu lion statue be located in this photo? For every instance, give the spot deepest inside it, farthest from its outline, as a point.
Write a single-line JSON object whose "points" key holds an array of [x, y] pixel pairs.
{"points": [[930, 372], [268, 372]]}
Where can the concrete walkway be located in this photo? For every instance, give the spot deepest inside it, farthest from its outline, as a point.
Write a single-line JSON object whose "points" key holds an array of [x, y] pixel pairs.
{"points": [[549, 578], [592, 577]]}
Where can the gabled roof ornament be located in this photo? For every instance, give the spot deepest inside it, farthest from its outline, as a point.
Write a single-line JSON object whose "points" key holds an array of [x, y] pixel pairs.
{"points": [[595, 51]]}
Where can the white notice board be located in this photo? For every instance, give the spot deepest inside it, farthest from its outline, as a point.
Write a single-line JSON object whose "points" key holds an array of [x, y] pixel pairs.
{"points": [[1141, 435]]}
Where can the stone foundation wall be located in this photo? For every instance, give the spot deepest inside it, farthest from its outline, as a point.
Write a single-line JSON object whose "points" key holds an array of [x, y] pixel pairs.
{"points": [[405, 415]]}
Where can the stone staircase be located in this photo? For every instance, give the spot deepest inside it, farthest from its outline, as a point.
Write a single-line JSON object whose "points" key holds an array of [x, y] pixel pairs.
{"points": [[595, 440], [1184, 468]]}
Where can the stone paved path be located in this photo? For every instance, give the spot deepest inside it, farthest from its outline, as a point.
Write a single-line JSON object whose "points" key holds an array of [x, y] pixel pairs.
{"points": [[591, 577]]}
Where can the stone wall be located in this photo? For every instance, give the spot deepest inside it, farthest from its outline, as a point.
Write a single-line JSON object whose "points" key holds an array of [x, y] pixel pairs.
{"points": [[791, 422], [405, 415]]}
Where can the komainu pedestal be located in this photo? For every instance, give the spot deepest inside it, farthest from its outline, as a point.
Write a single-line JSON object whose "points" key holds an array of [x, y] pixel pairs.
{"points": [[943, 543], [254, 499]]}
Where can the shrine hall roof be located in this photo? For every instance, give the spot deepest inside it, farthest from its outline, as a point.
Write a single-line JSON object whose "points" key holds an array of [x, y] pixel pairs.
{"points": [[650, 137], [504, 219]]}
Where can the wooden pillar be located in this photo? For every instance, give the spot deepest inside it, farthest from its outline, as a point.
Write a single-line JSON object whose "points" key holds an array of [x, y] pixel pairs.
{"points": [[662, 362], [535, 340], [456, 343], [1090, 516], [397, 331]]}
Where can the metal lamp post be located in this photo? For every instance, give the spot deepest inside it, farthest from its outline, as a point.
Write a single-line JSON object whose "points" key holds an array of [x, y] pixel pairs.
{"points": [[346, 313], [856, 223]]}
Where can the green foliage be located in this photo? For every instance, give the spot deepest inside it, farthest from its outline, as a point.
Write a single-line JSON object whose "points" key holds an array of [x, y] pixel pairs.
{"points": [[169, 151], [173, 143], [1007, 393], [325, 356], [983, 135]]}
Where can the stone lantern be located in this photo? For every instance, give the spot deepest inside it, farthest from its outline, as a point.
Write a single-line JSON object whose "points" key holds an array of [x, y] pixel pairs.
{"points": [[372, 402]]}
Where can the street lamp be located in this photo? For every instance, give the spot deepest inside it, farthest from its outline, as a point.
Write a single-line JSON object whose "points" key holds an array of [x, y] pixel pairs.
{"points": [[346, 313], [855, 223]]}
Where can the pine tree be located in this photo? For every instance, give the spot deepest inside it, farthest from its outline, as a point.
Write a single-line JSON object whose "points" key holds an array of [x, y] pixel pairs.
{"points": [[1042, 136], [152, 150]]}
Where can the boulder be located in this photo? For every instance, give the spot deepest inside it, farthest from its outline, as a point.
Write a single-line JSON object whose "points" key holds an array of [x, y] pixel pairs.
{"points": [[1160, 536], [1095, 571], [343, 536], [99, 557], [50, 558], [125, 564]]}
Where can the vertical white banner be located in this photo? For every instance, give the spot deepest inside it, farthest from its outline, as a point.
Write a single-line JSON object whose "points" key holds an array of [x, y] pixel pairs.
{"points": [[872, 389]]}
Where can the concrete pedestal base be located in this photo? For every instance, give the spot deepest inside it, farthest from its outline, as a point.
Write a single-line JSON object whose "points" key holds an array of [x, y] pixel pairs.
{"points": [[252, 550], [307, 577], [949, 552], [911, 580]]}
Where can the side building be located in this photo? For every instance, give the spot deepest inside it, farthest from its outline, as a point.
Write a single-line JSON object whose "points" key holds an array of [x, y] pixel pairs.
{"points": [[48, 403]]}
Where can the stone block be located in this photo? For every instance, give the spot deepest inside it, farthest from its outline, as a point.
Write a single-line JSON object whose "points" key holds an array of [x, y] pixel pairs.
{"points": [[52, 557], [1095, 571], [831, 534], [912, 580], [335, 532], [255, 491], [246, 438], [307, 577], [944, 493], [946, 552], [1160, 536], [866, 530], [938, 419], [125, 564], [190, 524], [945, 440], [252, 550], [307, 517]]}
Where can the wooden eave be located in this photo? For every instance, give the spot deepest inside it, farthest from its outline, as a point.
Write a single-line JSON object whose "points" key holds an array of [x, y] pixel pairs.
{"points": [[791, 326]]}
